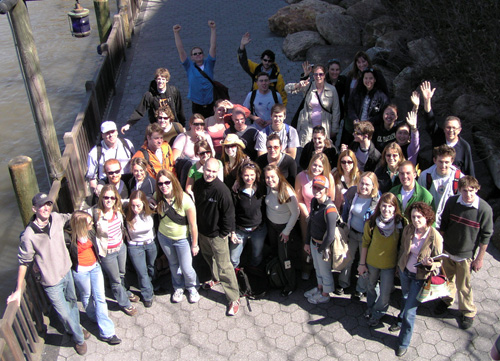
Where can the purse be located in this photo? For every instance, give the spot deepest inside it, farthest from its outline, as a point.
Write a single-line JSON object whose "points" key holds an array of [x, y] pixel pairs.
{"points": [[434, 287], [339, 249], [220, 90]]}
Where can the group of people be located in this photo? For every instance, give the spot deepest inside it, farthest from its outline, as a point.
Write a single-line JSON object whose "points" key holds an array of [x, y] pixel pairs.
{"points": [[240, 178]]}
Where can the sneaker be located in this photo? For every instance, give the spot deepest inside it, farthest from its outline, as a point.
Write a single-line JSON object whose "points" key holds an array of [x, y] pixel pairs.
{"points": [[466, 322], [286, 292], [131, 310], [401, 351], [133, 298], [395, 327], [193, 295], [318, 298], [373, 322], [86, 334], [441, 308], [311, 292], [209, 284], [357, 296], [339, 291], [113, 340], [234, 307], [81, 349], [177, 296]]}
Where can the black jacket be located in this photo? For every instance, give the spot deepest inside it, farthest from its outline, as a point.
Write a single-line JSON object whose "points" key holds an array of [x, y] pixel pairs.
{"points": [[147, 186], [214, 208], [249, 211], [378, 101], [152, 100], [373, 156], [73, 250]]}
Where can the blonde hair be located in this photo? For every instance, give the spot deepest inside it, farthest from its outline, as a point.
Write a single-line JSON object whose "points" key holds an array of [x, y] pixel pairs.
{"points": [[117, 207], [79, 225], [353, 174], [371, 176], [283, 186]]}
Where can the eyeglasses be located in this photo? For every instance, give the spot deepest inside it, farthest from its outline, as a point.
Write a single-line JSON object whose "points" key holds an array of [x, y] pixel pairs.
{"points": [[166, 183], [392, 155], [275, 147], [160, 117], [113, 172], [267, 60], [198, 124], [346, 162], [357, 133], [198, 53], [204, 153], [109, 198], [319, 75]]}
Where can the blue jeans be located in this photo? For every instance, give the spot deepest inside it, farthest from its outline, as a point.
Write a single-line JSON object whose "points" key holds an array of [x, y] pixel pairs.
{"points": [[257, 238], [323, 269], [180, 261], [90, 285], [410, 287], [63, 297], [143, 258], [378, 306], [114, 267]]}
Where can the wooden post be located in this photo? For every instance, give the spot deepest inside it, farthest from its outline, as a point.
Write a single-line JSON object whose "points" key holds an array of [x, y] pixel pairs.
{"points": [[35, 87], [124, 11], [103, 19], [25, 185]]}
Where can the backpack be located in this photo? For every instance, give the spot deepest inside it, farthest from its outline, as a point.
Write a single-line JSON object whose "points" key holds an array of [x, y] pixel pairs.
{"points": [[275, 274], [254, 94], [339, 249], [428, 181], [252, 282], [99, 151]]}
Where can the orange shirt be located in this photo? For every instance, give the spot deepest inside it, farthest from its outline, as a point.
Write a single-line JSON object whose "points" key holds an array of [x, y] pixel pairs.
{"points": [[86, 255], [154, 164]]}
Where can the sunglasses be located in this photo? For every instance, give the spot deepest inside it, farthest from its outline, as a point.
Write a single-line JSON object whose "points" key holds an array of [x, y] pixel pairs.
{"points": [[248, 165], [273, 147], [163, 117], [320, 75], [166, 183], [205, 152], [109, 198], [267, 60], [198, 124], [392, 155], [198, 53], [113, 172], [346, 162]]}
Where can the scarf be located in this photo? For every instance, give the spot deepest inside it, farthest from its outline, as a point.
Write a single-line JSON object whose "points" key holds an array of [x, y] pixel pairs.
{"points": [[385, 226]]}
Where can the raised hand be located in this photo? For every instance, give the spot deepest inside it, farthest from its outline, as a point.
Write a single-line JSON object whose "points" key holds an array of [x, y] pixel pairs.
{"points": [[415, 99], [176, 28], [245, 39], [211, 23], [411, 119], [307, 68], [427, 91]]}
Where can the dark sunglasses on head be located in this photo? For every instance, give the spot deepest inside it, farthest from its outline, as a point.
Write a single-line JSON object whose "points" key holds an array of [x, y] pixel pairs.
{"points": [[166, 183]]}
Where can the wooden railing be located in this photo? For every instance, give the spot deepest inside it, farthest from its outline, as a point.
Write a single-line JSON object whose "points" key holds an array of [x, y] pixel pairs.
{"points": [[22, 328]]}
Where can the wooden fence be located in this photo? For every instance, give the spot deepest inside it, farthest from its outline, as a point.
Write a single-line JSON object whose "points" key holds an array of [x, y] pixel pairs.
{"points": [[22, 328]]}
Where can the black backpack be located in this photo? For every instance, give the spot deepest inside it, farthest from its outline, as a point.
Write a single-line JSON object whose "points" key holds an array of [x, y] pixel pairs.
{"points": [[275, 274], [252, 282]]}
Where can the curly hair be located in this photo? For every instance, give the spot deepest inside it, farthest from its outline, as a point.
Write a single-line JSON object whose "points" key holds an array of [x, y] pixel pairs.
{"points": [[426, 211]]}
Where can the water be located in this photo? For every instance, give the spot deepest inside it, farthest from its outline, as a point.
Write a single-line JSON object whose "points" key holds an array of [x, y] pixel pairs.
{"points": [[66, 63]]}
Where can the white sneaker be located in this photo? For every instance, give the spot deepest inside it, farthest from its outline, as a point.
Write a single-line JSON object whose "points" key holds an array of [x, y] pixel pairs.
{"points": [[318, 298], [177, 296], [193, 295], [312, 292]]}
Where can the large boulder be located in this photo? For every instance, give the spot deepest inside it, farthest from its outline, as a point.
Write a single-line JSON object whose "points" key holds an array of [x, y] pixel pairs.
{"points": [[295, 45], [300, 17], [488, 152], [377, 28], [394, 40], [495, 239], [346, 4], [321, 54], [339, 29], [405, 82], [474, 107], [424, 52], [366, 10]]}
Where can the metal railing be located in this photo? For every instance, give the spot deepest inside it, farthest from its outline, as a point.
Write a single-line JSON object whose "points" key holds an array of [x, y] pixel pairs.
{"points": [[22, 327]]}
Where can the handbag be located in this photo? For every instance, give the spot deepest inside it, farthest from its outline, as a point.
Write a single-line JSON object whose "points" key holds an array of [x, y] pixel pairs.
{"points": [[339, 249], [434, 287], [295, 118], [220, 90]]}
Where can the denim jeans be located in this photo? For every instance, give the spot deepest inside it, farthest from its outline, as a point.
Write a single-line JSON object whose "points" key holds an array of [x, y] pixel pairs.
{"points": [[257, 238], [323, 269], [410, 287], [90, 285], [143, 258], [378, 306], [180, 260], [355, 242], [114, 267], [63, 297]]}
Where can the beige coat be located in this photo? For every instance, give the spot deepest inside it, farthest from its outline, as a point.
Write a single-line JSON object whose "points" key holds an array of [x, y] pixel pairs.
{"points": [[329, 99], [433, 246]]}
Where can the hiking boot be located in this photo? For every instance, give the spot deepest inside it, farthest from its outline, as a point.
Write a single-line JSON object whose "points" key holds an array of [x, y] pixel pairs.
{"points": [[133, 298], [311, 292], [193, 295], [209, 284], [177, 296], [113, 340], [318, 298], [131, 310], [81, 349], [441, 308], [234, 307], [466, 322]]}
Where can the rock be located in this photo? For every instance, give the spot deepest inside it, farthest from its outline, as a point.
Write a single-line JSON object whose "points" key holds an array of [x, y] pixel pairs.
{"points": [[424, 53], [405, 82], [348, 3], [293, 1], [473, 107], [495, 239], [395, 40], [300, 16], [295, 45], [366, 10], [339, 29], [321, 54], [377, 28], [488, 151]]}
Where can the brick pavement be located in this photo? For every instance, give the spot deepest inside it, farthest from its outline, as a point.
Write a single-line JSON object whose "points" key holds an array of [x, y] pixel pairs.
{"points": [[275, 328]]}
